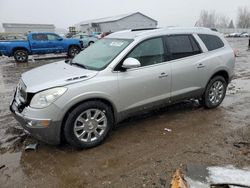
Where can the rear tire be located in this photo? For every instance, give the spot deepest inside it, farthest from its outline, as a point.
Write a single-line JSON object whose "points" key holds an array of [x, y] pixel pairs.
{"points": [[215, 92], [73, 51], [88, 124], [21, 56]]}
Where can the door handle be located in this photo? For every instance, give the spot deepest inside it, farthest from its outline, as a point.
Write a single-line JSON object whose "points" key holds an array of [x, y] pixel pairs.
{"points": [[163, 75], [200, 66]]}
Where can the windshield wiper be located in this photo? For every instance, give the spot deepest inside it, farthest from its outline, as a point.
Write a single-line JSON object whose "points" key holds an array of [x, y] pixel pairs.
{"points": [[78, 64]]}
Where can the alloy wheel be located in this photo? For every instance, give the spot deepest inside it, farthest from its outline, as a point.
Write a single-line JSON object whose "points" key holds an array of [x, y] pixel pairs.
{"points": [[216, 92], [74, 52], [90, 125], [20, 56]]}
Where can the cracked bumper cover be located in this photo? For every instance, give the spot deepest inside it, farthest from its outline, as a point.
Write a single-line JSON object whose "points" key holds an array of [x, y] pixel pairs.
{"points": [[44, 129]]}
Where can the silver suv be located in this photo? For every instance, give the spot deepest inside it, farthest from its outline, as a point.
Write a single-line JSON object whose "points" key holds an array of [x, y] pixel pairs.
{"points": [[119, 76]]}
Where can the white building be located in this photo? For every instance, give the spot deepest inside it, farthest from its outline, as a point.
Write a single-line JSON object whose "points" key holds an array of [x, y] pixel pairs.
{"points": [[117, 23], [25, 28]]}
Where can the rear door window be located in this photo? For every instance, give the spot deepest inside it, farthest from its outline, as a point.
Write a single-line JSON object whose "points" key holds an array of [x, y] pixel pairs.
{"points": [[195, 45], [212, 42], [181, 46], [39, 37]]}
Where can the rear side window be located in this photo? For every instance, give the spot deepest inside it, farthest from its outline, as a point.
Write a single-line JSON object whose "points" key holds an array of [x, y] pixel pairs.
{"points": [[212, 42], [181, 46], [39, 37]]}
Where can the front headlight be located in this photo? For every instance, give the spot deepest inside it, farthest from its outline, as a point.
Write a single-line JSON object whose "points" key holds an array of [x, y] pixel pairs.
{"points": [[45, 98]]}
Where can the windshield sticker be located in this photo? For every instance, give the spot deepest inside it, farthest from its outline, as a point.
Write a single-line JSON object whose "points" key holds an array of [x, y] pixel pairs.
{"points": [[117, 43]]}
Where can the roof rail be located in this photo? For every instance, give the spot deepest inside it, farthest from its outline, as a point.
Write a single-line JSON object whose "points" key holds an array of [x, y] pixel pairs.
{"points": [[142, 29]]}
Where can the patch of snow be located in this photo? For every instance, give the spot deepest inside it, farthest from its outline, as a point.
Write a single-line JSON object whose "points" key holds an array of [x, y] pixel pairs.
{"points": [[228, 175]]}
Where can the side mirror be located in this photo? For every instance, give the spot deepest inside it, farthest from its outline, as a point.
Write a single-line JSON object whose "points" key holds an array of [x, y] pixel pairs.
{"points": [[60, 39], [130, 63]]}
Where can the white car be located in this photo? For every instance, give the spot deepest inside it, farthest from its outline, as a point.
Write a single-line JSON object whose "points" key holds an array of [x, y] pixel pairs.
{"points": [[234, 35], [244, 34]]}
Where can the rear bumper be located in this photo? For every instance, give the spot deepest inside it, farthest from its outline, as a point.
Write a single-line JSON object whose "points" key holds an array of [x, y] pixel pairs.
{"points": [[49, 134]]}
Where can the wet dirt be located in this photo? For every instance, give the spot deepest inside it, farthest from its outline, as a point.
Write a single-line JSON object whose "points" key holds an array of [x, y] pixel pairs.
{"points": [[140, 152]]}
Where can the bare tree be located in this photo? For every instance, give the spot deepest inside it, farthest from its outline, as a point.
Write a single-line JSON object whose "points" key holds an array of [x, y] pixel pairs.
{"points": [[222, 21], [231, 25], [243, 18], [212, 19], [207, 19]]}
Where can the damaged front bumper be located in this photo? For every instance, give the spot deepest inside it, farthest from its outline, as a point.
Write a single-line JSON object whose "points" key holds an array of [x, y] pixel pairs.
{"points": [[44, 129]]}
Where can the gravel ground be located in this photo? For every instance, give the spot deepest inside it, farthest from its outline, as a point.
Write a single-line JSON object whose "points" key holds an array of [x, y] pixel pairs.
{"points": [[139, 152]]}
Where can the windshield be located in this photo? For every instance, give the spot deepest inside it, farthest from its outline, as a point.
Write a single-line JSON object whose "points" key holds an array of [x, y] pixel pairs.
{"points": [[100, 54]]}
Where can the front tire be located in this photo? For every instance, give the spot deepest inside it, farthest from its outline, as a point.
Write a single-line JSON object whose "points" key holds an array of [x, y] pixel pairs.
{"points": [[88, 124], [215, 92], [73, 51], [90, 43], [20, 56]]}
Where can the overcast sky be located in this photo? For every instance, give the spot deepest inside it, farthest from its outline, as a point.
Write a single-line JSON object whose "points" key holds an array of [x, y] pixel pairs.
{"points": [[64, 13]]}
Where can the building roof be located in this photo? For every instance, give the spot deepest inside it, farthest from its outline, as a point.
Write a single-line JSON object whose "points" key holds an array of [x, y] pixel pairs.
{"points": [[10, 25], [112, 18]]}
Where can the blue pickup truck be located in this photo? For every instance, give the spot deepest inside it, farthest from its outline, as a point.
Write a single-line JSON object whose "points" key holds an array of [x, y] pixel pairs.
{"points": [[40, 43]]}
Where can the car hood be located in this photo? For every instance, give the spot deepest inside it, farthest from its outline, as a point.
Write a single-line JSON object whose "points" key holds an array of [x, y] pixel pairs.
{"points": [[54, 75]]}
